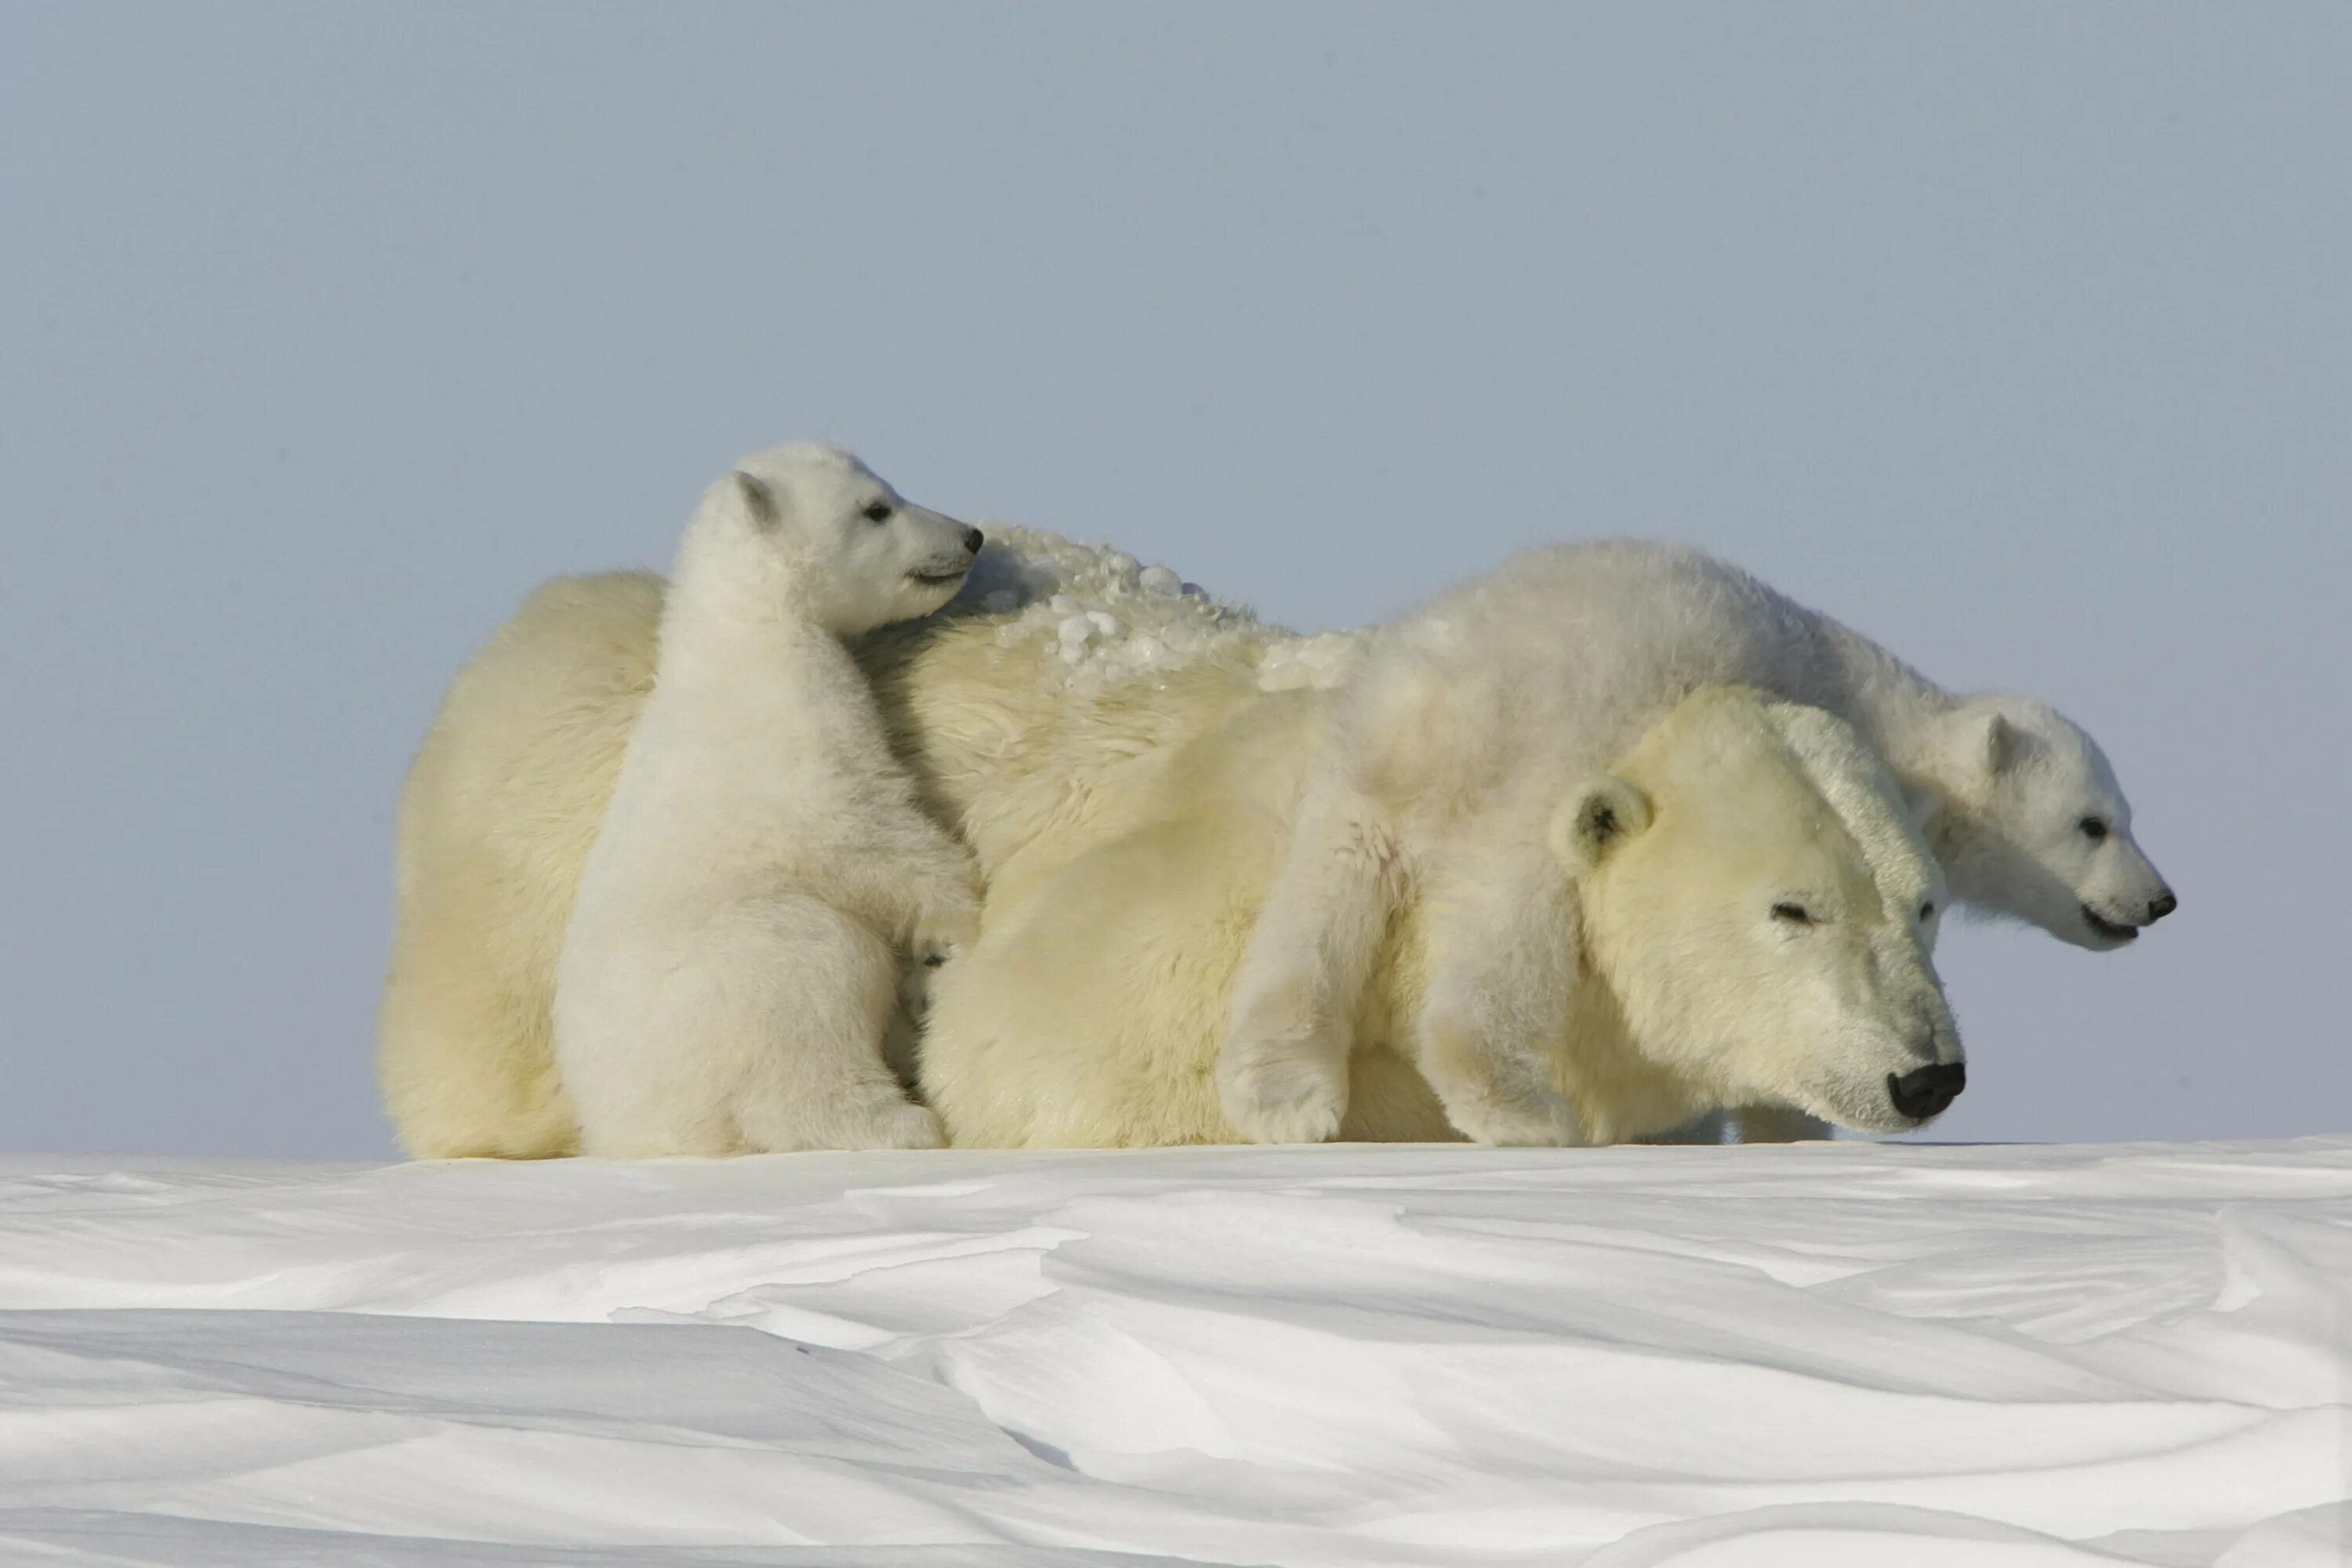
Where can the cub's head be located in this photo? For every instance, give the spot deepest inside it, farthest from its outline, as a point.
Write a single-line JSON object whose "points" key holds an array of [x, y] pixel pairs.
{"points": [[1761, 905], [811, 527], [2033, 825]]}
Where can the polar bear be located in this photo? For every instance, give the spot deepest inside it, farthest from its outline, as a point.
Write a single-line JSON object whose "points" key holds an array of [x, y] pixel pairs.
{"points": [[1029, 712], [1034, 714], [1563, 656], [1753, 912], [733, 957]]}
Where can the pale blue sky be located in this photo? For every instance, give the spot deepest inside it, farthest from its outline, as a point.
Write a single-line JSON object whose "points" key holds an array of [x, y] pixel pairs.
{"points": [[2018, 336]]}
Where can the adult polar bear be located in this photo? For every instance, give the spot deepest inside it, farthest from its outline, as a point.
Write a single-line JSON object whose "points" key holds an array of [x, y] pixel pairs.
{"points": [[1756, 906]]}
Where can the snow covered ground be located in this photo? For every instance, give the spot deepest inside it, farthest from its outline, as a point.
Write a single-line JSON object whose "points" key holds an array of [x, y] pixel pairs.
{"points": [[1827, 1355]]}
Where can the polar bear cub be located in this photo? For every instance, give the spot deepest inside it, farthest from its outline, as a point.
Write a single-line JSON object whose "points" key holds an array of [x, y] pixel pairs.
{"points": [[1556, 662], [734, 954]]}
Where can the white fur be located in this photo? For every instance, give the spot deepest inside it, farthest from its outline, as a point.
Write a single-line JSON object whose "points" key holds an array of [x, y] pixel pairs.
{"points": [[1551, 665], [1040, 759], [733, 958]]}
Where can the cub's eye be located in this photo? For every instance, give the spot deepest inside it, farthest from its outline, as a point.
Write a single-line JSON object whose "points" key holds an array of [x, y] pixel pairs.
{"points": [[1928, 911], [1795, 914], [2093, 828], [878, 512]]}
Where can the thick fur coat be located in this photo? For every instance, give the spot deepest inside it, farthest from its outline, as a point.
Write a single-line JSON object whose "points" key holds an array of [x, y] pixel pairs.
{"points": [[733, 958]]}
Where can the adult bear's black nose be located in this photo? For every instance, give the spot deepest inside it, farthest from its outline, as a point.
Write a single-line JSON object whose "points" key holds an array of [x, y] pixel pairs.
{"points": [[974, 539], [2165, 904], [1925, 1091]]}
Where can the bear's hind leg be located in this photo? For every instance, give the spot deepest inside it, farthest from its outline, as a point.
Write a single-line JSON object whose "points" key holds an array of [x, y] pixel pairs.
{"points": [[665, 1122], [817, 1078]]}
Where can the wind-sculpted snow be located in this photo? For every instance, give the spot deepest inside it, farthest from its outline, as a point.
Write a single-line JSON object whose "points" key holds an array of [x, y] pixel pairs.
{"points": [[1821, 1354]]}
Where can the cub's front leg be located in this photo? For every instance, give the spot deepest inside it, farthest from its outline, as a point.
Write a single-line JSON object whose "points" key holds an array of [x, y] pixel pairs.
{"points": [[1500, 997], [1282, 1073]]}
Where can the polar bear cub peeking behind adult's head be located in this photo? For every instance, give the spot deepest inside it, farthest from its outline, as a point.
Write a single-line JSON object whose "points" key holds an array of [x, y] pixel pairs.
{"points": [[808, 530], [763, 870], [2044, 833]]}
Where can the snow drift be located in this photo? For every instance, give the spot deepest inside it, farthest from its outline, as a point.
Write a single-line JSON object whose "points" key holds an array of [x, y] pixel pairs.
{"points": [[1824, 1354]]}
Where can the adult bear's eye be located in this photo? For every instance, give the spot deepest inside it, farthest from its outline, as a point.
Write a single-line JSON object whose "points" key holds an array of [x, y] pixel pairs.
{"points": [[2093, 828], [878, 512], [1795, 914], [1928, 911]]}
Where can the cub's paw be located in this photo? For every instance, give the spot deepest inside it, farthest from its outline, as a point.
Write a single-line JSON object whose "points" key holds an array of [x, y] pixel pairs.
{"points": [[1492, 1093], [866, 1116], [1278, 1095], [946, 926], [888, 1121], [1531, 1119]]}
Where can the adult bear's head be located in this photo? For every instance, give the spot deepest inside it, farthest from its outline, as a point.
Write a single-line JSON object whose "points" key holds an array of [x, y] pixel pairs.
{"points": [[1761, 907]]}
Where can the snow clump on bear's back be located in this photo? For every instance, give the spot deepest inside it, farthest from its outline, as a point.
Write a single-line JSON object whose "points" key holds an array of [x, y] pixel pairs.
{"points": [[1098, 616]]}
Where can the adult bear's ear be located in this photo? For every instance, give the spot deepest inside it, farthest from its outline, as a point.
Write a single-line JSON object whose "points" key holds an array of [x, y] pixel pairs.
{"points": [[758, 502], [1590, 824]]}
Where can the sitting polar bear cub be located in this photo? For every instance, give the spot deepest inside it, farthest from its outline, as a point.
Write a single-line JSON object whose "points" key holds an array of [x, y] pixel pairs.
{"points": [[1555, 663], [733, 957], [1740, 910]]}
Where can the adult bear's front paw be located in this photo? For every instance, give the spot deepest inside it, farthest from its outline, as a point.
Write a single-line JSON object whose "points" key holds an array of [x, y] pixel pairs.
{"points": [[1278, 1094]]}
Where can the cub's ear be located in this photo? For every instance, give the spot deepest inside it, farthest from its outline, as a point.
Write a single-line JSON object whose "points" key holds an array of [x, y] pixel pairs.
{"points": [[1975, 742], [1590, 824], [758, 502], [1998, 744]]}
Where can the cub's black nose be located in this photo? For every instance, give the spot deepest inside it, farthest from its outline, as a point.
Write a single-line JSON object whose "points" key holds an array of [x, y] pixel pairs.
{"points": [[974, 539], [2165, 904], [1926, 1091]]}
